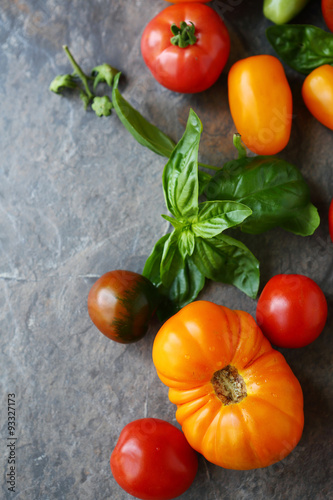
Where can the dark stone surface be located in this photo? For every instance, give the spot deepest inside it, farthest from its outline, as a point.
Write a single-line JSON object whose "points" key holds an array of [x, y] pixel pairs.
{"points": [[78, 197]]}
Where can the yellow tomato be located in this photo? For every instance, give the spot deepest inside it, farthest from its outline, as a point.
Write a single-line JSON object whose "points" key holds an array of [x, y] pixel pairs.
{"points": [[317, 92], [260, 103]]}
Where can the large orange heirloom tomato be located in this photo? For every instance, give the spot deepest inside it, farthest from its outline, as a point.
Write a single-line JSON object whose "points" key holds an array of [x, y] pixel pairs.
{"points": [[260, 102], [239, 403], [317, 92]]}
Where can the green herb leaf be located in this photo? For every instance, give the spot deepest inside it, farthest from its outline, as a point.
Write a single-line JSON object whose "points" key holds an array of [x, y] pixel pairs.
{"points": [[172, 259], [186, 243], [104, 73], [175, 222], [227, 260], [216, 216], [180, 175], [102, 106], [303, 221], [187, 284], [301, 46], [63, 81], [273, 189], [141, 129]]}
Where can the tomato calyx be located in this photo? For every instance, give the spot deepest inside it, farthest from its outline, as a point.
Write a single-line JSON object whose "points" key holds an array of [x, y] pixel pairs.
{"points": [[183, 36], [229, 385]]}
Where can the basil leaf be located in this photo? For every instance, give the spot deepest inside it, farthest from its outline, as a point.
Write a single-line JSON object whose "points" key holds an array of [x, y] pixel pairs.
{"points": [[273, 189], [227, 260], [152, 266], [141, 129], [186, 243], [175, 222], [204, 178], [216, 216], [301, 46], [187, 284], [180, 175], [172, 259], [303, 221]]}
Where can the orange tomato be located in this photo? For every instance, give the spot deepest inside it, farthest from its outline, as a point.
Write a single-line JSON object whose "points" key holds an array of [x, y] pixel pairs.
{"points": [[317, 92], [239, 403], [260, 103]]}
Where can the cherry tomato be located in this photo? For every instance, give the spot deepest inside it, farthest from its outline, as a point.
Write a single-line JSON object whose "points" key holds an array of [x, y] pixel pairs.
{"points": [[330, 220], [291, 310], [153, 461], [317, 92], [121, 304], [186, 47], [260, 103], [327, 10]]}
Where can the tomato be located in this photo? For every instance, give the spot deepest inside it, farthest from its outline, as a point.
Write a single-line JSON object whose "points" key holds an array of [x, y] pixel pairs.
{"points": [[260, 103], [192, 1], [330, 220], [327, 10], [317, 92], [291, 310], [120, 304], [238, 402], [192, 60], [153, 461]]}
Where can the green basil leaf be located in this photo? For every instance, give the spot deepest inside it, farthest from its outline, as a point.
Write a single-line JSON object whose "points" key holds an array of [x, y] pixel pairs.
{"points": [[172, 259], [141, 129], [229, 261], [180, 175], [175, 222], [204, 178], [186, 242], [216, 216], [301, 46], [187, 284], [273, 189], [303, 221], [152, 266]]}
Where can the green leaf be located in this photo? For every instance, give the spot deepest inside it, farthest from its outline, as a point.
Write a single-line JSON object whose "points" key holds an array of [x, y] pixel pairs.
{"points": [[102, 106], [204, 178], [186, 243], [63, 81], [172, 259], [273, 189], [187, 284], [301, 46], [303, 221], [227, 260], [180, 175], [175, 222], [104, 73], [144, 132], [216, 216]]}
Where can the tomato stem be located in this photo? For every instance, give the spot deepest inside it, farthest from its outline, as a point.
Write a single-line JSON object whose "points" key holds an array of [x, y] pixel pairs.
{"points": [[184, 35], [229, 385], [78, 71], [239, 146]]}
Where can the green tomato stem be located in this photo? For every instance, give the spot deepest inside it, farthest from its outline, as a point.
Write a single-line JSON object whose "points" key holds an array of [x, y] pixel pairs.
{"points": [[239, 146], [78, 71], [184, 35]]}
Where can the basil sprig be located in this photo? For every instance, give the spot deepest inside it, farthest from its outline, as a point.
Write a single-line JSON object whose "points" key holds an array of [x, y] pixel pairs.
{"points": [[301, 46], [196, 249]]}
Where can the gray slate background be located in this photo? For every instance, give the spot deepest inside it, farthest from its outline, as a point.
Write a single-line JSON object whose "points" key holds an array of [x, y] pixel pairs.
{"points": [[79, 197]]}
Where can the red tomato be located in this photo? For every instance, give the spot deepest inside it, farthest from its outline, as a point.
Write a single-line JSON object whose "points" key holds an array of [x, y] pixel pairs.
{"points": [[120, 304], [196, 66], [317, 92], [330, 220], [291, 310], [327, 10], [153, 461], [192, 1]]}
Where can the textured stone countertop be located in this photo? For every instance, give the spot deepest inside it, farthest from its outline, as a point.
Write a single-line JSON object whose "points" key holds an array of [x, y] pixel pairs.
{"points": [[79, 197]]}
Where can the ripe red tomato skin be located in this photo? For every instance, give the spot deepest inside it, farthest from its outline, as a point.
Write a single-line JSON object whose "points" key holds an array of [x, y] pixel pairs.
{"points": [[153, 461], [120, 304], [330, 220], [196, 67], [327, 10], [291, 310]]}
